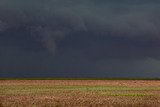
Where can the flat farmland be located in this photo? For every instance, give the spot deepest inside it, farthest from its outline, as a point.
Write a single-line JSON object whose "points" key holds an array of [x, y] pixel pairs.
{"points": [[79, 93]]}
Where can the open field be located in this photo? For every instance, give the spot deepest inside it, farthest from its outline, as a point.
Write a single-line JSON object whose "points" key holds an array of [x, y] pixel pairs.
{"points": [[79, 93]]}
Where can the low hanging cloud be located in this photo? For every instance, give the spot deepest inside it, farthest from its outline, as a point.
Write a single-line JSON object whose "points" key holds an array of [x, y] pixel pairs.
{"points": [[111, 29]]}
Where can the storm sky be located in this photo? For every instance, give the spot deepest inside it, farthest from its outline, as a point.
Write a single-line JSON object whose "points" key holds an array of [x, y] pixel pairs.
{"points": [[80, 38]]}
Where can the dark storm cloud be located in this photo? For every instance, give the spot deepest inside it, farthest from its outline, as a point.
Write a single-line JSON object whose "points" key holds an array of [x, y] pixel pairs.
{"points": [[131, 29]]}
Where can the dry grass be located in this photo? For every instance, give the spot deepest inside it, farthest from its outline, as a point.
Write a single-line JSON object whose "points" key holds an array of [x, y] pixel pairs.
{"points": [[79, 93]]}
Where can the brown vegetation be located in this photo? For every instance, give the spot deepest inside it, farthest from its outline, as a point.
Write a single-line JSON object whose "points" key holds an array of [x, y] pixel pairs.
{"points": [[79, 93]]}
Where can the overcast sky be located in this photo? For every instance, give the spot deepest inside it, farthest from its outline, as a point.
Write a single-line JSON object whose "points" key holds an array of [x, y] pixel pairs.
{"points": [[80, 38]]}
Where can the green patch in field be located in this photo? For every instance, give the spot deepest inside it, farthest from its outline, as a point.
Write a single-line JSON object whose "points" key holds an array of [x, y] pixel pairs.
{"points": [[36, 89], [126, 94], [103, 88], [130, 95]]}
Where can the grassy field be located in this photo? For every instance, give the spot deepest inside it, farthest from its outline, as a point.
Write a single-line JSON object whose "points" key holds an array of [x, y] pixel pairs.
{"points": [[79, 93]]}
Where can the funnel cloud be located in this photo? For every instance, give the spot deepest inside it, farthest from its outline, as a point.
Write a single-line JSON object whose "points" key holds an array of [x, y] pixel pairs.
{"points": [[87, 38]]}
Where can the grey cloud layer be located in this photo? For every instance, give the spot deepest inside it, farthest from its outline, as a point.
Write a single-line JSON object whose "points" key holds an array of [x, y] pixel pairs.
{"points": [[131, 28]]}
